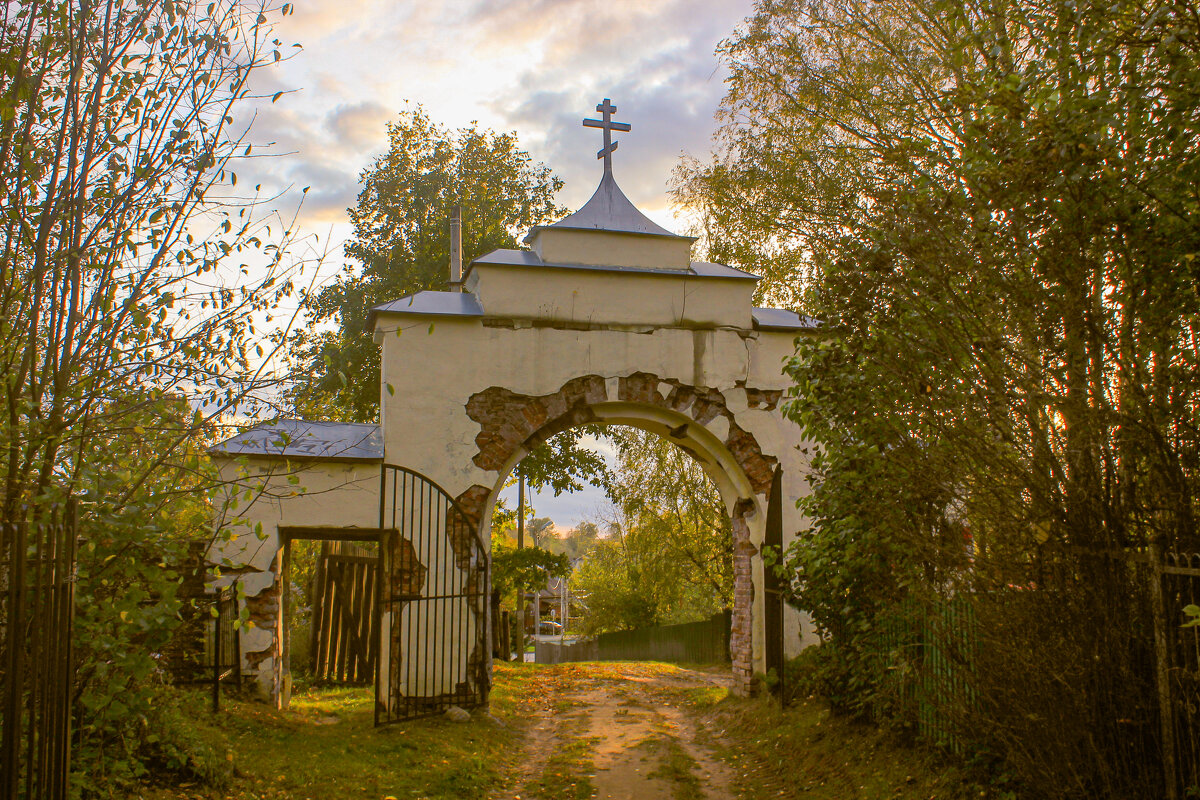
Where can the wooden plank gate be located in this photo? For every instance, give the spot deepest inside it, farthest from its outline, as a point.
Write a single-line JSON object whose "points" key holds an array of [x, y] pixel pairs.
{"points": [[345, 631]]}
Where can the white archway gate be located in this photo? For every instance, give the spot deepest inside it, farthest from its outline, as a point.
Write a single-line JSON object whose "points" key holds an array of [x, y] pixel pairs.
{"points": [[606, 319], [688, 416]]}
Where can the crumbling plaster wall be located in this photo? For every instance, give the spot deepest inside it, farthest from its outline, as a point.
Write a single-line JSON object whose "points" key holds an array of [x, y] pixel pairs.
{"points": [[726, 384], [260, 497]]}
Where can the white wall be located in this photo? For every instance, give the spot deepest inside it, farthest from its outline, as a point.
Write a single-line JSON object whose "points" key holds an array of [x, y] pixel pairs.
{"points": [[262, 495], [435, 365]]}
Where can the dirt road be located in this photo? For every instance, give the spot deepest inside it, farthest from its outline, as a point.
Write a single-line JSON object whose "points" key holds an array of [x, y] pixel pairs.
{"points": [[621, 732]]}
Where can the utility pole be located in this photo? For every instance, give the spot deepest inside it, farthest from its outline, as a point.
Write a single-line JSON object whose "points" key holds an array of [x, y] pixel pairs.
{"points": [[537, 615], [565, 609], [456, 248], [520, 509], [520, 544]]}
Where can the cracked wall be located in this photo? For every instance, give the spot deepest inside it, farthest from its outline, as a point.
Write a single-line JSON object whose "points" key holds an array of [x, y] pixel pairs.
{"points": [[260, 498], [484, 391]]}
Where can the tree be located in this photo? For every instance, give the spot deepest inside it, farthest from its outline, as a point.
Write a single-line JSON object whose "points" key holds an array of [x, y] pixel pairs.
{"points": [[126, 320], [562, 464], [401, 245], [577, 542], [992, 209], [618, 580], [526, 569], [668, 556], [662, 490]]}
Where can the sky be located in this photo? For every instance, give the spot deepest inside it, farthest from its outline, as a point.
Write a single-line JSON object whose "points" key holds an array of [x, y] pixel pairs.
{"points": [[536, 67], [569, 509]]}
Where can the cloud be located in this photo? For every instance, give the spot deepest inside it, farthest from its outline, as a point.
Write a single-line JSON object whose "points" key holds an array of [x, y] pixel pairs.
{"points": [[294, 150], [656, 62], [359, 127], [331, 191], [533, 66], [313, 21]]}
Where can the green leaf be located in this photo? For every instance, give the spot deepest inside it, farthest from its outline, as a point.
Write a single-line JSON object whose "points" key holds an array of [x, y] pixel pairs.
{"points": [[1192, 611]]}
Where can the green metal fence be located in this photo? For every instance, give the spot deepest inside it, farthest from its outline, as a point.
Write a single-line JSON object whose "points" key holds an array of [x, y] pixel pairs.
{"points": [[926, 656]]}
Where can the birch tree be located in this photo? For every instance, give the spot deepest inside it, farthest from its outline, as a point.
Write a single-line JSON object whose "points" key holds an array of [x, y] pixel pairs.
{"points": [[139, 286]]}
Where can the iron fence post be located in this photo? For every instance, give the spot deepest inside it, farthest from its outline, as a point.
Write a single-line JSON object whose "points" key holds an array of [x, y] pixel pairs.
{"points": [[1162, 673], [216, 678]]}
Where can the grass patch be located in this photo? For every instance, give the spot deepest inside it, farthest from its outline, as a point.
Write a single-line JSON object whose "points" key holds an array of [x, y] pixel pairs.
{"points": [[675, 766], [325, 747], [694, 697], [807, 752], [566, 775], [705, 696]]}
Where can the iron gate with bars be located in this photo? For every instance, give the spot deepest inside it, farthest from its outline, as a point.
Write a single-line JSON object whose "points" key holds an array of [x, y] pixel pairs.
{"points": [[37, 603], [433, 607], [774, 587]]}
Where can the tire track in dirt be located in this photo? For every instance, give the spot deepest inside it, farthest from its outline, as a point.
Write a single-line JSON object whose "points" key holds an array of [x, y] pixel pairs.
{"points": [[620, 732]]}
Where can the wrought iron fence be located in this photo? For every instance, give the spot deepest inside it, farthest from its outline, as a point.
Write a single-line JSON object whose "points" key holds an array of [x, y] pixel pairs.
{"points": [[37, 600], [206, 648], [928, 657], [1179, 670]]}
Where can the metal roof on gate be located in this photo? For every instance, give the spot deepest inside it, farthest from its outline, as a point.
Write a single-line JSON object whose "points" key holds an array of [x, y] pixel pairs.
{"points": [[781, 319], [611, 211], [460, 304], [303, 439]]}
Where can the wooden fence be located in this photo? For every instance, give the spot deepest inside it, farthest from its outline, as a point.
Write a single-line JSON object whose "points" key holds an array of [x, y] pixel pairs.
{"points": [[555, 653], [705, 642]]}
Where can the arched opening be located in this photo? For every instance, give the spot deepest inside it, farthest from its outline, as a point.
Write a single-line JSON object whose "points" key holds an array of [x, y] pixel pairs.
{"points": [[703, 443]]}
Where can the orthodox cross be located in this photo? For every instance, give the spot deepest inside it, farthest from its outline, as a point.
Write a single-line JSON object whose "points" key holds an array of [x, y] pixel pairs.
{"points": [[606, 108]]}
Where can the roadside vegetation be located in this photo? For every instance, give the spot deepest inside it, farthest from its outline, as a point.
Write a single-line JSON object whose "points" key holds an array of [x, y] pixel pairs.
{"points": [[137, 286], [992, 209], [325, 746]]}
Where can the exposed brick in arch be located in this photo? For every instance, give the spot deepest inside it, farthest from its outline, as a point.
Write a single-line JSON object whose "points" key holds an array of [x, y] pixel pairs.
{"points": [[509, 421]]}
